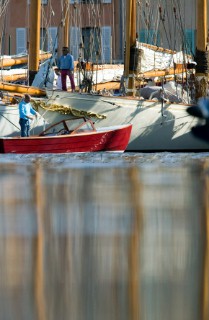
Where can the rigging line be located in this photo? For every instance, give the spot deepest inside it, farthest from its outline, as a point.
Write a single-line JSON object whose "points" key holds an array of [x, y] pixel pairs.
{"points": [[181, 26], [123, 18], [158, 28], [73, 17], [47, 23], [175, 24], [151, 22], [94, 13], [53, 51], [168, 15], [62, 6], [3, 32], [27, 37], [9, 121], [92, 17], [188, 44], [1, 42], [162, 19], [147, 19], [155, 27], [143, 18], [44, 26], [4, 7], [138, 10], [42, 31], [52, 58], [78, 15], [113, 31], [100, 21], [184, 40], [65, 13], [150, 14]]}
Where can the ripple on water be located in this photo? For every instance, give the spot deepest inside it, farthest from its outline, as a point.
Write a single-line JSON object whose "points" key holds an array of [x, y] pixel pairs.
{"points": [[108, 159]]}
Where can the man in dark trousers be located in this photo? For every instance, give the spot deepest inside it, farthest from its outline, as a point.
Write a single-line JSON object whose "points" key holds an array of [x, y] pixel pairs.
{"points": [[66, 66]]}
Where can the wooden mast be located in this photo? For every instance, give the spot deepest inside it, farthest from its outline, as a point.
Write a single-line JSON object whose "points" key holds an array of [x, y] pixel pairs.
{"points": [[201, 50], [202, 31], [66, 24], [63, 38], [34, 36], [130, 42], [127, 43]]}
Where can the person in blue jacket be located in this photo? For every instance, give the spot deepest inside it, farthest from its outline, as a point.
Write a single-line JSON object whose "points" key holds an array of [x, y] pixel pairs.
{"points": [[65, 65], [27, 114]]}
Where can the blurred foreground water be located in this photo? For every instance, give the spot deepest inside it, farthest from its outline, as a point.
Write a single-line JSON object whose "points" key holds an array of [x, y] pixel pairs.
{"points": [[104, 237]]}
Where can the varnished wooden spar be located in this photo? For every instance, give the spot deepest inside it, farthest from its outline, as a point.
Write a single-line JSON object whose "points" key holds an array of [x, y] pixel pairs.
{"points": [[109, 84], [22, 89], [9, 62], [156, 48], [161, 73], [148, 74], [13, 77]]}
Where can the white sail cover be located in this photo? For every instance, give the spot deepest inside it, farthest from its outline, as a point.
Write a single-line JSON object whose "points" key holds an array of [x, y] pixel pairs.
{"points": [[157, 60], [45, 76]]}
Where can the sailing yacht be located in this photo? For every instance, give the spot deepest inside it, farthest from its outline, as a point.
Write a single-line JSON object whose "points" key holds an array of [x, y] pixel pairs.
{"points": [[157, 125]]}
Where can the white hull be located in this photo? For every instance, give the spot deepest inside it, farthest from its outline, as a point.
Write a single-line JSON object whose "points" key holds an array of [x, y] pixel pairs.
{"points": [[151, 131]]}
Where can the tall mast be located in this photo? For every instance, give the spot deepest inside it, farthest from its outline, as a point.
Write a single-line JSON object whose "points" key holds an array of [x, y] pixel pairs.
{"points": [[127, 42], [66, 24], [201, 50], [63, 38], [130, 43], [34, 36]]}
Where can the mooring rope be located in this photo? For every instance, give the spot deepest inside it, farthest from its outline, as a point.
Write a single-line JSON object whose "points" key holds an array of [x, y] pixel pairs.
{"points": [[66, 110]]}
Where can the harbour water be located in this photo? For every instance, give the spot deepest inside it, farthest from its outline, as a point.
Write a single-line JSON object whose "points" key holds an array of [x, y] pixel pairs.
{"points": [[104, 236]]}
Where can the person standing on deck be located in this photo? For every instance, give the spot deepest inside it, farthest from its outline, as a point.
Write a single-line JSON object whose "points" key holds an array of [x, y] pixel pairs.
{"points": [[27, 114], [66, 66]]}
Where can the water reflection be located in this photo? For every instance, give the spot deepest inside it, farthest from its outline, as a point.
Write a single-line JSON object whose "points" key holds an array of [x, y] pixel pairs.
{"points": [[104, 243]]}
